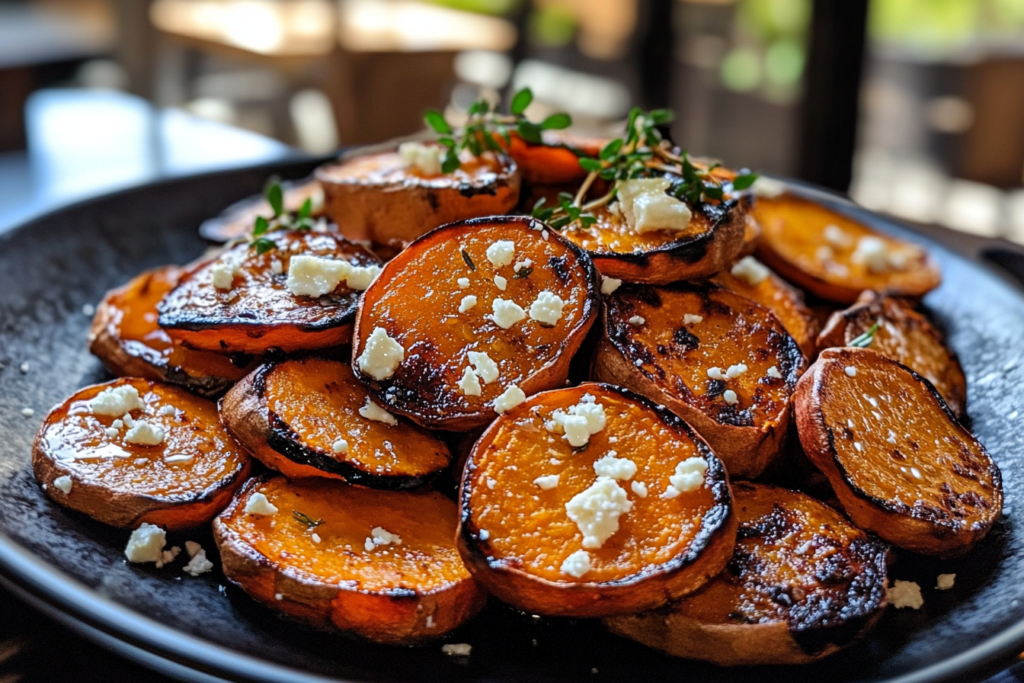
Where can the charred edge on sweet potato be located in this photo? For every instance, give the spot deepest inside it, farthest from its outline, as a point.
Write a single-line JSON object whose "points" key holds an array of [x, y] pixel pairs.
{"points": [[713, 523]]}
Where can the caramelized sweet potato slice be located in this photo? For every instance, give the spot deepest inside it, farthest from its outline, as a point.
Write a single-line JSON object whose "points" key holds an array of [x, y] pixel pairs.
{"points": [[125, 336], [803, 584], [904, 335], [713, 239], [556, 161], [302, 418], [759, 283], [378, 198], [89, 457], [835, 257], [898, 460], [238, 219], [476, 314], [381, 565], [717, 359], [256, 311], [637, 515]]}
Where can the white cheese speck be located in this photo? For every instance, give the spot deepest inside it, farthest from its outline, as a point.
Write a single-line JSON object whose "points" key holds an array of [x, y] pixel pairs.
{"points": [[612, 467], [715, 373], [468, 302], [145, 434], [64, 483], [735, 371], [768, 187], [457, 649], [689, 474], [577, 564], [579, 422], [146, 544], [858, 446], [469, 384], [824, 253], [646, 206], [547, 482], [837, 237], [166, 410], [944, 582], [851, 371], [484, 534], [485, 368], [25, 367], [639, 488], [501, 252], [509, 399], [27, 412], [423, 158], [636, 320], [774, 373], [525, 263], [372, 411], [751, 271], [506, 313], [116, 401], [360, 277], [111, 432], [381, 355], [315, 537], [178, 458], [916, 473], [730, 397], [547, 308], [500, 282], [259, 505], [340, 446], [491, 483], [690, 319], [315, 276], [609, 284], [276, 267], [905, 594], [596, 511], [198, 564], [380, 536], [463, 282], [223, 272], [872, 253]]}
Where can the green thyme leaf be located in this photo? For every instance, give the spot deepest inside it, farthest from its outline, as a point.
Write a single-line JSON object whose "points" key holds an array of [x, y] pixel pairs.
{"points": [[520, 101], [437, 122], [864, 340], [263, 245], [529, 131], [276, 198], [306, 210], [611, 149], [261, 226], [590, 165], [742, 182], [558, 121]]}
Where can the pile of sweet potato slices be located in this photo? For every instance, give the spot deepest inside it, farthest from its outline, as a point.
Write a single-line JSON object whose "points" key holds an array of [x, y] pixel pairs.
{"points": [[429, 397]]}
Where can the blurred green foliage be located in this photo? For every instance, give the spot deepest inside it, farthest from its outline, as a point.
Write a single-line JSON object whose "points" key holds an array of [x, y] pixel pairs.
{"points": [[938, 24]]}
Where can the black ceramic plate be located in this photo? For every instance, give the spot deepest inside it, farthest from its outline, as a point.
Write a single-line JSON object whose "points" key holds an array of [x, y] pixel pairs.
{"points": [[201, 628]]}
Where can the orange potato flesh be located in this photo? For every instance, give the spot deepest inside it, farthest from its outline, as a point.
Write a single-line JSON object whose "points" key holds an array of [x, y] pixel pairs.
{"points": [[397, 593], [900, 463], [125, 484], [259, 313], [794, 244], [554, 162], [127, 317], [321, 400], [803, 583], [416, 300], [782, 299], [905, 336], [529, 533]]}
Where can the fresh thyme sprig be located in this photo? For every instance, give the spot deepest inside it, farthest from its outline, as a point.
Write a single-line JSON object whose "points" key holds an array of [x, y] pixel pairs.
{"points": [[307, 520], [302, 220], [485, 126], [864, 340]]}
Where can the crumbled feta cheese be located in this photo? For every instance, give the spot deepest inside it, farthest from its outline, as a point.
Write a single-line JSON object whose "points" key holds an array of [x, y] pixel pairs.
{"points": [[751, 271], [596, 511], [259, 505], [146, 544], [824, 253], [851, 371], [945, 581], [276, 267], [223, 272], [577, 564], [315, 537], [116, 401], [463, 282], [117, 424], [27, 412], [609, 284], [506, 313], [485, 368], [340, 446], [636, 320], [468, 302], [500, 253], [381, 355], [612, 467], [457, 649], [380, 536], [145, 434], [64, 483], [905, 594], [735, 371], [424, 158], [509, 399], [730, 397], [469, 384], [372, 411], [491, 483], [484, 534], [315, 276], [525, 263], [690, 318], [579, 422], [646, 206], [25, 367], [111, 432], [872, 253], [715, 373], [768, 187], [198, 564], [166, 410], [547, 482], [500, 282], [689, 474], [547, 308], [128, 420], [360, 277], [639, 488], [837, 237], [774, 373]]}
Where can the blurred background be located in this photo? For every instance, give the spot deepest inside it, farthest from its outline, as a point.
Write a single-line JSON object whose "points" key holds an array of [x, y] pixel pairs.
{"points": [[914, 107]]}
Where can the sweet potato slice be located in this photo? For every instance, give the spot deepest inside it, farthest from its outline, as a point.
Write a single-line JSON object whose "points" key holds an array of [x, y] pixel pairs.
{"points": [[257, 312], [759, 283], [528, 301], [900, 463], [529, 497], [802, 584], [556, 160], [713, 239], [835, 257], [904, 335], [730, 374], [381, 565], [380, 199], [302, 418], [238, 219], [95, 462], [125, 336], [751, 235]]}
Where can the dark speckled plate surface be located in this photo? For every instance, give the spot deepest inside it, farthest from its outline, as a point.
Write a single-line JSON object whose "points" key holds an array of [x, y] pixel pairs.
{"points": [[196, 627]]}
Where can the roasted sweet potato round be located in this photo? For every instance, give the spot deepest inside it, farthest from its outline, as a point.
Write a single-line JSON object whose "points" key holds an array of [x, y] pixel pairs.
{"points": [[751, 235], [125, 336], [900, 463], [756, 281], [133, 451], [473, 317], [380, 199], [717, 359], [636, 515], [712, 240], [381, 565], [309, 417], [835, 257], [904, 335], [802, 584], [239, 218], [556, 160], [246, 302]]}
